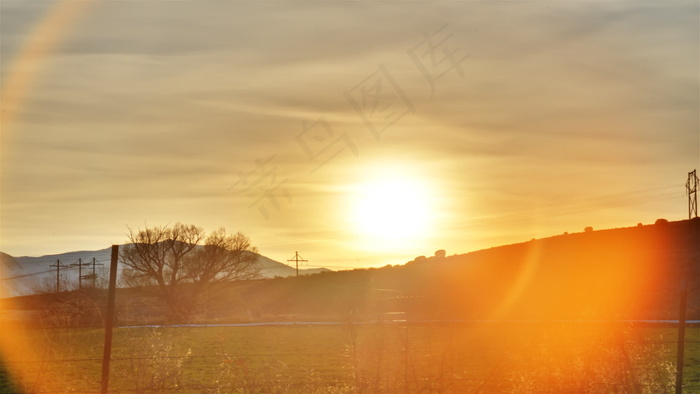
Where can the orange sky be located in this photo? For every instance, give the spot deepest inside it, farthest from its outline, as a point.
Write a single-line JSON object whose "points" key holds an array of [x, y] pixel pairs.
{"points": [[490, 123]]}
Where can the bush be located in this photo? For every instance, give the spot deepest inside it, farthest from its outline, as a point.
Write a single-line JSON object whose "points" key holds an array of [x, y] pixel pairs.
{"points": [[419, 259]]}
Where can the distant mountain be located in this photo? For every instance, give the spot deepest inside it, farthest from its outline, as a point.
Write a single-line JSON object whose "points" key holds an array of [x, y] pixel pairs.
{"points": [[8, 263], [25, 275], [610, 275]]}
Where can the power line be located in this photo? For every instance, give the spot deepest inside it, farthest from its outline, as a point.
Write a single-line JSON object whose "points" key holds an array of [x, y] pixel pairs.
{"points": [[94, 263], [25, 275]]}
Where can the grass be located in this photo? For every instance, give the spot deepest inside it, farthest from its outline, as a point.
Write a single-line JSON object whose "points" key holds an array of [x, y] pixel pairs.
{"points": [[348, 358]]}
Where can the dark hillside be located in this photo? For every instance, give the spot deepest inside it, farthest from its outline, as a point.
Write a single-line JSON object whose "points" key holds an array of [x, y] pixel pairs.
{"points": [[629, 273]]}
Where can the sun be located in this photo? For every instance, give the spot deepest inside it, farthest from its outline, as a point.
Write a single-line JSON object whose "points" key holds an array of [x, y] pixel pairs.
{"points": [[392, 212]]}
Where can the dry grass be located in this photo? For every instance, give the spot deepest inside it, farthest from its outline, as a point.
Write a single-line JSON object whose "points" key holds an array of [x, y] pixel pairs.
{"points": [[349, 358]]}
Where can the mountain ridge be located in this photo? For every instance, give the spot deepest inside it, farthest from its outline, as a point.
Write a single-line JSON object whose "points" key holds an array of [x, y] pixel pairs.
{"points": [[27, 273], [629, 273]]}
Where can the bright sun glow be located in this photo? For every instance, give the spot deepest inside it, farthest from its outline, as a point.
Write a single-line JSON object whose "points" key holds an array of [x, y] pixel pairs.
{"points": [[391, 212]]}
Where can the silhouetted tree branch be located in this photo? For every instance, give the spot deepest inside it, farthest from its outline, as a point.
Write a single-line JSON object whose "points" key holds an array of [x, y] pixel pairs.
{"points": [[174, 262]]}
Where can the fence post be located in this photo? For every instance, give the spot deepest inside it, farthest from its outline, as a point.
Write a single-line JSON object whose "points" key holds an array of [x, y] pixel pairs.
{"points": [[681, 337], [109, 321]]}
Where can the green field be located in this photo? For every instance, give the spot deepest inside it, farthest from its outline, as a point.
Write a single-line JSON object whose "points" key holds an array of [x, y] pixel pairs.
{"points": [[478, 357]]}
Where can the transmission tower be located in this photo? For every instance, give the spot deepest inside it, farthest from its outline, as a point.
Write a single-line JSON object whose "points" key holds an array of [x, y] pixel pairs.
{"points": [[691, 187], [297, 259]]}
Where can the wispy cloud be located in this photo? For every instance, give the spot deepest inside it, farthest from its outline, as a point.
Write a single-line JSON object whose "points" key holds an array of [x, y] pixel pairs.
{"points": [[147, 102]]}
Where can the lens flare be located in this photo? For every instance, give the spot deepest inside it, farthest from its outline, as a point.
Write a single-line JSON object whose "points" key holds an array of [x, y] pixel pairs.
{"points": [[22, 74]]}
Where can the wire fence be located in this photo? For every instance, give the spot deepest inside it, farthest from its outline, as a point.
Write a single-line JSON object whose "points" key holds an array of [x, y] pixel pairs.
{"points": [[359, 358]]}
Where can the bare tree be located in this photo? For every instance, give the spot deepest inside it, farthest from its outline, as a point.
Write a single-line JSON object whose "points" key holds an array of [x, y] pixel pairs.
{"points": [[181, 263]]}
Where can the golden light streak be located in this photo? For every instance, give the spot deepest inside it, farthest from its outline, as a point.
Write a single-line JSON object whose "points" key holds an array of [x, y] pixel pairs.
{"points": [[26, 68], [23, 73], [526, 272]]}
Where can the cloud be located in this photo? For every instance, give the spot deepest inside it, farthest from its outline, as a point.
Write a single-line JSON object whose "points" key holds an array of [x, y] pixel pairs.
{"points": [[151, 102]]}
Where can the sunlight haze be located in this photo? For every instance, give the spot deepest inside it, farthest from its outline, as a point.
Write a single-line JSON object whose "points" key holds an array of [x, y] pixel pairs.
{"points": [[356, 133]]}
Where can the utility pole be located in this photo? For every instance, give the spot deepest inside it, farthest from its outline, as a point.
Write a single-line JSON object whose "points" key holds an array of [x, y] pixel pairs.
{"points": [[92, 276], [80, 265], [691, 187], [58, 266], [297, 258], [80, 274]]}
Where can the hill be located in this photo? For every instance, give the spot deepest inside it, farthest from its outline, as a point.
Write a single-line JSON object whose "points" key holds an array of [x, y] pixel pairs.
{"points": [[7, 262], [627, 273], [29, 275], [617, 274]]}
